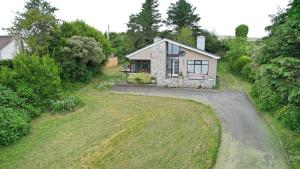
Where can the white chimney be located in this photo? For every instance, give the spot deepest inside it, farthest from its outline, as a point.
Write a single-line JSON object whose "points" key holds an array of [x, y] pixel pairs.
{"points": [[201, 42], [156, 39]]}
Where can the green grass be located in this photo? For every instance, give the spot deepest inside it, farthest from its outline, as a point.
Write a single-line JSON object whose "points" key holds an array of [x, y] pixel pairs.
{"points": [[229, 81], [290, 140], [119, 131]]}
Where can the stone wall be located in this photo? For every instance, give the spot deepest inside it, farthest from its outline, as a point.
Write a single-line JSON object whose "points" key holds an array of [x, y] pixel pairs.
{"points": [[158, 56]]}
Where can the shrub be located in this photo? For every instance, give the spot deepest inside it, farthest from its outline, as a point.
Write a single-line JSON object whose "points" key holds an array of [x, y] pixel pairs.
{"points": [[65, 104], [82, 58], [239, 64], [6, 63], [290, 117], [35, 78], [10, 99], [13, 125], [248, 72], [139, 78]]}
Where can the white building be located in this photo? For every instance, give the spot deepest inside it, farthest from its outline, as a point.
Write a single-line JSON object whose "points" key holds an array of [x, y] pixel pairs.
{"points": [[8, 47]]}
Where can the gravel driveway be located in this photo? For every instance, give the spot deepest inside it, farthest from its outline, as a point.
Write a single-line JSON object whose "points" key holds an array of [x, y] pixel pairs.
{"points": [[247, 142]]}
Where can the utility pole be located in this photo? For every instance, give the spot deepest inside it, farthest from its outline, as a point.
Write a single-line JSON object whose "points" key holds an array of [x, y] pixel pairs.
{"points": [[108, 32]]}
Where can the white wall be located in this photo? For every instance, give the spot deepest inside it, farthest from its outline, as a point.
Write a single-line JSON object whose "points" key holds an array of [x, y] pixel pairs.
{"points": [[9, 51]]}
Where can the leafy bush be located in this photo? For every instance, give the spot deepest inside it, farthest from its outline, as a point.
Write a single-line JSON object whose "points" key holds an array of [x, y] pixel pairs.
{"points": [[13, 125], [6, 63], [10, 99], [139, 78], [290, 117], [82, 58], [65, 104], [239, 64], [278, 85], [35, 78]]}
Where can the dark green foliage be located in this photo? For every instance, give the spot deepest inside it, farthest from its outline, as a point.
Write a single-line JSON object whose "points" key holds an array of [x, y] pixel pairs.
{"points": [[5, 63], [35, 78], [11, 99], [239, 63], [80, 28], [33, 26], [283, 39], [65, 104], [14, 124], [278, 85], [290, 117], [212, 43], [241, 31], [15, 114], [181, 15], [82, 58], [144, 25], [118, 44]]}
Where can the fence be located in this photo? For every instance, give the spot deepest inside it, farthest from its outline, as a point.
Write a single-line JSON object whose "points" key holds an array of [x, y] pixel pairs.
{"points": [[112, 62]]}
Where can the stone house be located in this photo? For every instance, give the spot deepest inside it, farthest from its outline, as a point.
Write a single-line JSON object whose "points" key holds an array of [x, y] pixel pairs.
{"points": [[173, 64]]}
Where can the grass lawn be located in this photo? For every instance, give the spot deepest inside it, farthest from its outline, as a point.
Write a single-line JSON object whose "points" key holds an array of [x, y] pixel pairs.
{"points": [[228, 81], [119, 131], [290, 140]]}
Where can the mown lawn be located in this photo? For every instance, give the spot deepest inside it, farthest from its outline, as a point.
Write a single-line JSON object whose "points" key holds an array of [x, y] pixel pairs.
{"points": [[119, 131], [228, 81]]}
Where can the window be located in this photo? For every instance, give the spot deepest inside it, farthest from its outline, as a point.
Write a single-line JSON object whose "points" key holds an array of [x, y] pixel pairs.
{"points": [[198, 66], [173, 49], [172, 67]]}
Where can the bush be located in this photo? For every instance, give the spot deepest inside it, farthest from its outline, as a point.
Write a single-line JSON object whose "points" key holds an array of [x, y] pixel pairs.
{"points": [[35, 78], [290, 117], [6, 63], [10, 99], [248, 72], [239, 64], [13, 125], [277, 86], [82, 58], [139, 78], [65, 104]]}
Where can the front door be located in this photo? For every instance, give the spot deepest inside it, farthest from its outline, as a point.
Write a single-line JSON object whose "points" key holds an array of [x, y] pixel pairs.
{"points": [[173, 67]]}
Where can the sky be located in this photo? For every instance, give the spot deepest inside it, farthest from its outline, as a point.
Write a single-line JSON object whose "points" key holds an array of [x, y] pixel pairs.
{"points": [[219, 16]]}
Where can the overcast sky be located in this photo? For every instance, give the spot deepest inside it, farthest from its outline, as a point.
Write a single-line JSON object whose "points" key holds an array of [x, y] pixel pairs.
{"points": [[220, 16]]}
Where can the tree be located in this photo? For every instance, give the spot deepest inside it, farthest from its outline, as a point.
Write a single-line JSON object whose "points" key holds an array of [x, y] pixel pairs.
{"points": [[33, 26], [277, 85], [283, 39], [146, 23], [186, 37], [241, 31], [77, 28], [118, 45], [181, 15], [82, 58]]}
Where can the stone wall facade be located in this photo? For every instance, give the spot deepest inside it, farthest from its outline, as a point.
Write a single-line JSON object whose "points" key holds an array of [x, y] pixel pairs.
{"points": [[158, 56]]}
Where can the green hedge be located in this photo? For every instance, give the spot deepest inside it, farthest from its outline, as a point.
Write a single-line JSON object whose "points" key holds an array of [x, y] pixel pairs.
{"points": [[139, 78], [6, 63]]}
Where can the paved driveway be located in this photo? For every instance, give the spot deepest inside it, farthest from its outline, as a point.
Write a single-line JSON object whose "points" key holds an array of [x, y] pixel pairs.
{"points": [[247, 142]]}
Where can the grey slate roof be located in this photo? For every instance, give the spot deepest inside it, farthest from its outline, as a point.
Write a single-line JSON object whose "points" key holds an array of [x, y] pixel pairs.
{"points": [[5, 40]]}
